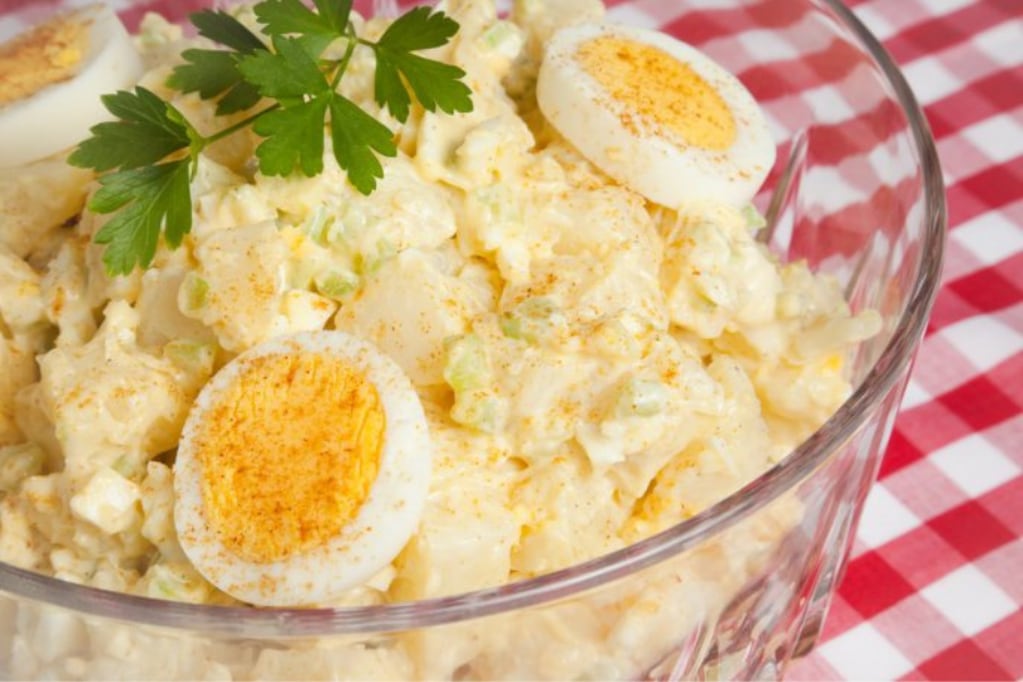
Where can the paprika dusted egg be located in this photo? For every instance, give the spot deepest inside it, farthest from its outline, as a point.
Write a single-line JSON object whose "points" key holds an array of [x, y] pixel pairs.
{"points": [[303, 469], [655, 114]]}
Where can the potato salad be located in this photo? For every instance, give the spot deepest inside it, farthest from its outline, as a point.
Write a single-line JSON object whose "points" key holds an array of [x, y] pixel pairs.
{"points": [[549, 332]]}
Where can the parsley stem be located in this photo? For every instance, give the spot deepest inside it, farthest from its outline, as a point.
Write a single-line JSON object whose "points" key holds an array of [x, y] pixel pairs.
{"points": [[342, 66], [221, 134]]}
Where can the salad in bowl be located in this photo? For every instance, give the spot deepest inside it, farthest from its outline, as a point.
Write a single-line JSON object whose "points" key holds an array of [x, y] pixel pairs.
{"points": [[445, 343]]}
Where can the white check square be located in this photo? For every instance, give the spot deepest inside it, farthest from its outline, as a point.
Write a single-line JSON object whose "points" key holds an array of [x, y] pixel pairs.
{"points": [[930, 79], [999, 137], [863, 653], [990, 236], [975, 465], [1003, 43], [633, 15], [984, 340], [969, 599], [915, 395], [884, 518]]}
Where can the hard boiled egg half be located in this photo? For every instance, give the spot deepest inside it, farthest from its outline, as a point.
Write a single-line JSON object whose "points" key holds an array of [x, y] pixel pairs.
{"points": [[655, 114], [52, 77], [302, 470]]}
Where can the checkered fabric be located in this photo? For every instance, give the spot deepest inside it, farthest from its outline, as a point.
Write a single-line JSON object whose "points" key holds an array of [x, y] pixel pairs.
{"points": [[934, 586]]}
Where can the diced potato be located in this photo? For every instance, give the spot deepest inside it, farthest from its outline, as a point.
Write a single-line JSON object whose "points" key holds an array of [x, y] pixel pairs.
{"points": [[408, 308], [108, 399], [36, 200], [243, 268], [17, 370]]}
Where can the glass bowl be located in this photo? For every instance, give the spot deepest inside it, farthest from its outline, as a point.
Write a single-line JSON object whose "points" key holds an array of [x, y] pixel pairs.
{"points": [[733, 593]]}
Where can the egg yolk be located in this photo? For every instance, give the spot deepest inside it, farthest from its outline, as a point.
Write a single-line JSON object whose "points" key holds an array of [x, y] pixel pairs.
{"points": [[289, 453], [660, 89], [46, 55]]}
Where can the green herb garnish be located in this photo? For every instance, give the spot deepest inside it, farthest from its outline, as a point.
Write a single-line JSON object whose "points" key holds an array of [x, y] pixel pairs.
{"points": [[148, 154]]}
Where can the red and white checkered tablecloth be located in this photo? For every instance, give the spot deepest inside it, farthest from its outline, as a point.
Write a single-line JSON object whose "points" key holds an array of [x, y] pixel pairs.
{"points": [[934, 588], [935, 585]]}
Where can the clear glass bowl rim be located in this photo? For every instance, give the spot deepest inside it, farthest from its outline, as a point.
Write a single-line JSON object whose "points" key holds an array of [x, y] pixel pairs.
{"points": [[291, 623]]}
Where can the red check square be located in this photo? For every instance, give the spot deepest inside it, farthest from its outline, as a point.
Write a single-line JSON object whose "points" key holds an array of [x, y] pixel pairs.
{"points": [[872, 585], [963, 661], [971, 529], [1001, 643], [987, 290], [901, 453], [981, 402]]}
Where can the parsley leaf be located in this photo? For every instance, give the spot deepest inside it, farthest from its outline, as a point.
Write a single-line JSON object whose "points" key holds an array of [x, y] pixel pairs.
{"points": [[289, 74], [221, 27], [215, 72], [355, 135], [146, 156], [144, 134], [153, 196], [294, 137], [336, 12], [419, 29], [315, 30], [240, 97], [281, 17], [294, 133], [436, 85], [212, 72], [208, 72]]}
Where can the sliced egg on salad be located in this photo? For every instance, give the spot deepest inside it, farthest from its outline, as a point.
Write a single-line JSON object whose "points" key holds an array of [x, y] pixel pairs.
{"points": [[52, 77], [302, 471], [655, 114]]}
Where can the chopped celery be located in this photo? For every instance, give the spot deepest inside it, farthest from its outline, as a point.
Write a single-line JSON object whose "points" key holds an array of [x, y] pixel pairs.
{"points": [[193, 357], [754, 221], [502, 34], [194, 293], [478, 410], [128, 466], [531, 320], [318, 226], [175, 582], [538, 308], [501, 204], [337, 284], [18, 462], [511, 327], [468, 373], [369, 263], [467, 367], [642, 398]]}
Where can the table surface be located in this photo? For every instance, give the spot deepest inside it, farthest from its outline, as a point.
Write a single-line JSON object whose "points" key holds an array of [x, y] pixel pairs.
{"points": [[935, 584]]}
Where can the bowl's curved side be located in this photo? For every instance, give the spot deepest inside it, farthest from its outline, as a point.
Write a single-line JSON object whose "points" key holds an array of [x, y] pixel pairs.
{"points": [[877, 386]]}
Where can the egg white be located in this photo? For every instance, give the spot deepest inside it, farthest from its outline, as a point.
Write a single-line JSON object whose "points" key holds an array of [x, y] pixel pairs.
{"points": [[384, 523], [58, 116], [651, 162]]}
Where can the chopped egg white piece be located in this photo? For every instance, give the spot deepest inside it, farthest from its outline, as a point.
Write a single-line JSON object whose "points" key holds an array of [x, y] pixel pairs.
{"points": [[51, 79], [655, 114], [303, 470], [108, 500]]}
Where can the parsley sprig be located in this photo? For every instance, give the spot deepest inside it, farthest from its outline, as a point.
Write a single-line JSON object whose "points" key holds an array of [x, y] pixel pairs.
{"points": [[147, 155]]}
